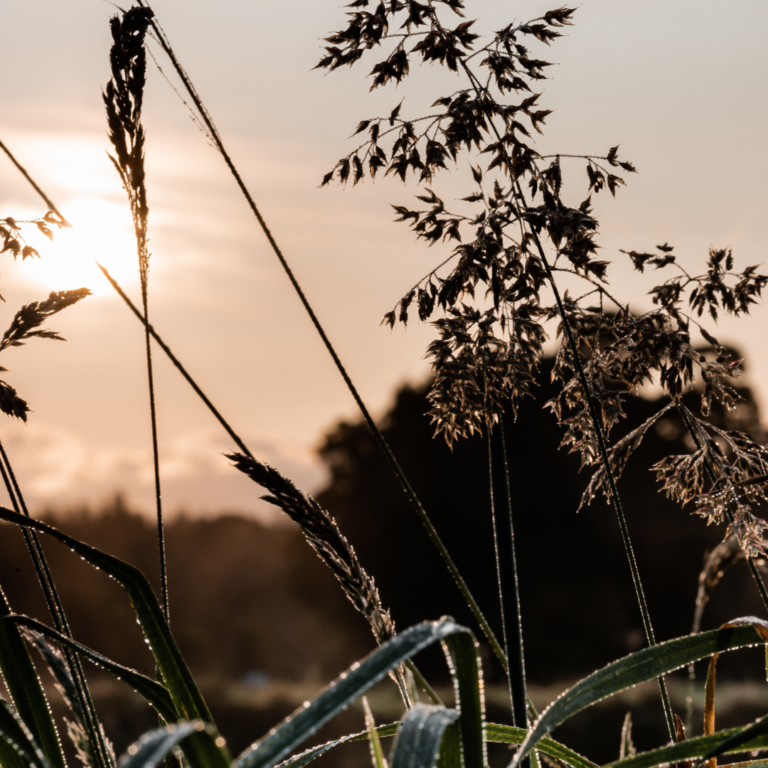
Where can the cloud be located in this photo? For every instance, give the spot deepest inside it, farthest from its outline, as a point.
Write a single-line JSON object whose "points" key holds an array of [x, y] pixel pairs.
{"points": [[58, 470]]}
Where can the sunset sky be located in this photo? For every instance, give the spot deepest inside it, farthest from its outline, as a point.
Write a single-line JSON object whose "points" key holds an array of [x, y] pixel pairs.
{"points": [[680, 86]]}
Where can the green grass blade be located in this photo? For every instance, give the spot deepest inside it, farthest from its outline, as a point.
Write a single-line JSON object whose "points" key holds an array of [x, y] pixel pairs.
{"points": [[306, 757], [638, 667], [186, 696], [698, 747], [25, 689], [152, 691], [17, 747], [421, 735], [501, 734], [352, 684], [467, 679], [377, 754], [153, 747], [508, 734], [760, 763], [9, 757], [745, 736]]}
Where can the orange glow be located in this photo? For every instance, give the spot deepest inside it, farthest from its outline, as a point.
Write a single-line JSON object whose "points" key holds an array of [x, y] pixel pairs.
{"points": [[101, 231]]}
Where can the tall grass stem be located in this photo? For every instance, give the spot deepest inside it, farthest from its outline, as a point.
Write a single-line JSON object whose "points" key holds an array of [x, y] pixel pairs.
{"points": [[391, 460], [506, 570], [177, 363], [37, 189], [102, 754], [592, 406]]}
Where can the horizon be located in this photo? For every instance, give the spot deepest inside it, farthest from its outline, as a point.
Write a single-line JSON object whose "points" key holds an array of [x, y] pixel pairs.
{"points": [[687, 118]]}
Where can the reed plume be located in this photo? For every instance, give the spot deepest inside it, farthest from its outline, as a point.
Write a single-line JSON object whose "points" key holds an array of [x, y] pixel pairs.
{"points": [[323, 534], [123, 99]]}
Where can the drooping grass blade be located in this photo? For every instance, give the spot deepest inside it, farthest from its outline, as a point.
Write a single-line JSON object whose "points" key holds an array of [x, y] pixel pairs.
{"points": [[153, 747], [359, 679], [638, 667], [25, 689], [421, 735], [186, 696], [153, 692], [17, 745], [702, 746]]}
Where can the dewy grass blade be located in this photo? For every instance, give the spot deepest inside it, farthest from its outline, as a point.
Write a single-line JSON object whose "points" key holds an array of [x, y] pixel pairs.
{"points": [[187, 699], [468, 682], [153, 692], [153, 747], [421, 735], [17, 746], [102, 754], [737, 740], [377, 755], [701, 746], [306, 757], [508, 734], [25, 689], [506, 570], [352, 684], [494, 732], [636, 668]]}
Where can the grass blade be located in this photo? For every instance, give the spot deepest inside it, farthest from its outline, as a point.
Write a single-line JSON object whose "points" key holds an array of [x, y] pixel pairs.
{"points": [[186, 696], [638, 667], [25, 689], [468, 682], [744, 736], [377, 755], [506, 570], [720, 743], [508, 734], [346, 689], [421, 735], [500, 734], [306, 757], [17, 746], [153, 692], [153, 747]]}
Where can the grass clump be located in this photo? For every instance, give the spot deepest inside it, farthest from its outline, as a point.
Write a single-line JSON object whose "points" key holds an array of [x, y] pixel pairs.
{"points": [[517, 241]]}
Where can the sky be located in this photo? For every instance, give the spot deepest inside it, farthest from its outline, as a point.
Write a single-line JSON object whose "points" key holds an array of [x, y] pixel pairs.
{"points": [[680, 86]]}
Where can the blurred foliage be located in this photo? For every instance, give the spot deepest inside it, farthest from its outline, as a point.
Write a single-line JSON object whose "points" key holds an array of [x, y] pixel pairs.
{"points": [[562, 555]]}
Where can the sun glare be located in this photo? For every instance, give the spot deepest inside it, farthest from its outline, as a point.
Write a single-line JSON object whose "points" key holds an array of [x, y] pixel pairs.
{"points": [[101, 232]]}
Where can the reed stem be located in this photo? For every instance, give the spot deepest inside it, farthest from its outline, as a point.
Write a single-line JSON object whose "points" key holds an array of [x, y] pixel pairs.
{"points": [[37, 189], [593, 410], [101, 754], [506, 570], [391, 460]]}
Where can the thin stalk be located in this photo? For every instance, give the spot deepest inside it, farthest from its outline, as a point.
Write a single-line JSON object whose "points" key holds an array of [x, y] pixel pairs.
{"points": [[594, 417], [177, 364], [43, 569], [56, 609], [420, 679], [506, 570], [23, 171], [693, 431], [391, 460], [615, 498], [156, 466]]}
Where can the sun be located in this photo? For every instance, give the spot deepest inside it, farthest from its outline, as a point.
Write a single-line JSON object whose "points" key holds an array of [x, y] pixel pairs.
{"points": [[101, 232]]}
